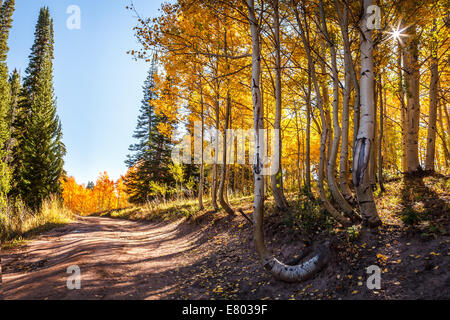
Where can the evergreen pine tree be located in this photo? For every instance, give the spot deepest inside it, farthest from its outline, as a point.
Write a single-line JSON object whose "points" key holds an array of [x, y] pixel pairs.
{"points": [[6, 12], [151, 155], [18, 117], [11, 117], [41, 159]]}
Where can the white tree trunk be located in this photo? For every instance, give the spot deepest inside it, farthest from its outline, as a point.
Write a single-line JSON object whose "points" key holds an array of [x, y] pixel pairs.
{"points": [[365, 138]]}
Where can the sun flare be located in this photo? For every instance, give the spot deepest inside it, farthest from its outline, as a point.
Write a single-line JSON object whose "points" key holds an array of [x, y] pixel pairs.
{"points": [[397, 33]]}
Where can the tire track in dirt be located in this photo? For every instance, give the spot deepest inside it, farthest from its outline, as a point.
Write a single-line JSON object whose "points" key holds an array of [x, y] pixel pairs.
{"points": [[118, 259]]}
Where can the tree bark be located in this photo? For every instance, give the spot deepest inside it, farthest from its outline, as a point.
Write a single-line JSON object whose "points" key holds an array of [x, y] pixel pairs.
{"points": [[297, 134], [380, 136], [278, 269], [214, 185], [348, 64], [277, 178], [326, 109], [364, 142], [325, 129], [308, 138], [331, 166], [350, 81], [223, 177], [412, 100], [374, 149], [443, 132], [401, 97], [202, 165], [431, 135]]}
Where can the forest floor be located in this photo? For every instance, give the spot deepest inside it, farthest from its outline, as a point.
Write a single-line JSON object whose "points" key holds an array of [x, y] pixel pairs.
{"points": [[211, 255]]}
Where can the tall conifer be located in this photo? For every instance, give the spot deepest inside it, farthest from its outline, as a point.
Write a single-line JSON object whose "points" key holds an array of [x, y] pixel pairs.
{"points": [[6, 12], [42, 151], [11, 117], [151, 155]]}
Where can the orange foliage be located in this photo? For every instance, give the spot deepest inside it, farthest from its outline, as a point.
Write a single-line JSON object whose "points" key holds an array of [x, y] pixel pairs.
{"points": [[106, 195]]}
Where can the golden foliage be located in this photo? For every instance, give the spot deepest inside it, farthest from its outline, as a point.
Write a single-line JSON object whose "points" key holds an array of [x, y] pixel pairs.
{"points": [[105, 195]]}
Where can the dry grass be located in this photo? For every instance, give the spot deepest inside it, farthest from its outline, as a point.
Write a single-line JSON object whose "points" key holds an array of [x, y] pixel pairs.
{"points": [[18, 222], [168, 210]]}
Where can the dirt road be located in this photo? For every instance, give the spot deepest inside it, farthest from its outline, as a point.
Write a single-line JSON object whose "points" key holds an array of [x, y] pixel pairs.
{"points": [[213, 257], [118, 260]]}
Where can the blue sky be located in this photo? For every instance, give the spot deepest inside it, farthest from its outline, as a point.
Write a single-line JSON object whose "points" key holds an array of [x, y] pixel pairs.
{"points": [[98, 86]]}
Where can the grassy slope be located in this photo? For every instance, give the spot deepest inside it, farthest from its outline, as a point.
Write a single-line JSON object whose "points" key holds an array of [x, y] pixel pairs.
{"points": [[168, 211], [21, 224]]}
